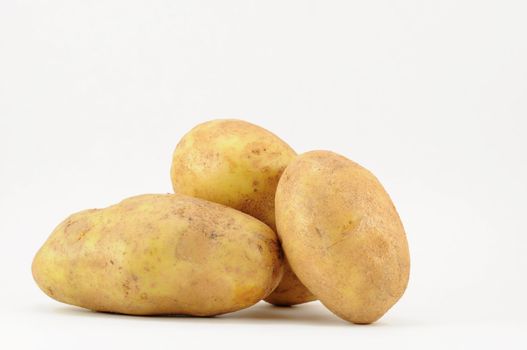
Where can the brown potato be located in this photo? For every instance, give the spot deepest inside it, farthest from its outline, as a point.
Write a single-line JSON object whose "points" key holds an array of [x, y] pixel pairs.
{"points": [[342, 235], [160, 254], [237, 164]]}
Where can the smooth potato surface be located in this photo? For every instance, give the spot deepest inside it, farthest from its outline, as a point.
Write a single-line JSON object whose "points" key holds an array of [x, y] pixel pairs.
{"points": [[342, 235], [160, 254], [237, 164]]}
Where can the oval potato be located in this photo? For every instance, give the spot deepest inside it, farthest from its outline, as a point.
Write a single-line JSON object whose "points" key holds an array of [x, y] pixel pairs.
{"points": [[342, 235], [160, 254], [237, 164]]}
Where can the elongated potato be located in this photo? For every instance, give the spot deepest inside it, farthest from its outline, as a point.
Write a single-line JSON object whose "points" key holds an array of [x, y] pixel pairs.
{"points": [[342, 235], [160, 254], [237, 164]]}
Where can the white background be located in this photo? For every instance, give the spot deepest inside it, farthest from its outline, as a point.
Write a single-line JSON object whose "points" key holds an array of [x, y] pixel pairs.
{"points": [[429, 95]]}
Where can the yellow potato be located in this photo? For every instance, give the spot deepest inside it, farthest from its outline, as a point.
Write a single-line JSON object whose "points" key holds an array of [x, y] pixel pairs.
{"points": [[237, 164], [160, 254], [290, 291], [342, 235]]}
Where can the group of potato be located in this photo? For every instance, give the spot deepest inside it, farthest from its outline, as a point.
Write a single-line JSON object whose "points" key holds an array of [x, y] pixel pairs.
{"points": [[249, 220]]}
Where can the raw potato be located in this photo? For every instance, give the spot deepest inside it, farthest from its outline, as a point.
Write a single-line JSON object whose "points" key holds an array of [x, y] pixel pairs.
{"points": [[160, 254], [342, 235], [290, 291], [237, 164]]}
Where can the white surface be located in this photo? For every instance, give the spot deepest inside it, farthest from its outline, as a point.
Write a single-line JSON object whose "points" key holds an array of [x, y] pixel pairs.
{"points": [[431, 96]]}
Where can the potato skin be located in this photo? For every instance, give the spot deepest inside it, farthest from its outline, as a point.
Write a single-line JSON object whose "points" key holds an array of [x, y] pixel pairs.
{"points": [[160, 254], [233, 163], [290, 291], [237, 164], [342, 235]]}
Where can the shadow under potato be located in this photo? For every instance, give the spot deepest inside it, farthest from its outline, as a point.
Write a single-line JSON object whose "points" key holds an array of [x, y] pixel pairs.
{"points": [[262, 313]]}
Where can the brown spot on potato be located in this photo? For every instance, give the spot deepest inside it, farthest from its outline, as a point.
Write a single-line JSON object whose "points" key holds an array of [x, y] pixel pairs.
{"points": [[203, 256], [126, 287], [351, 215], [77, 227], [213, 235]]}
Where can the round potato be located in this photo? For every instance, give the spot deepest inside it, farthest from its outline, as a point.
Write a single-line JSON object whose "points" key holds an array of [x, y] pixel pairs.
{"points": [[342, 235], [237, 164], [160, 254]]}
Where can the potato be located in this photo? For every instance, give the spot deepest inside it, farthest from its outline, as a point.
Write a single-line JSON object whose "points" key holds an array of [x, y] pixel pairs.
{"points": [[342, 235], [290, 291], [237, 164], [160, 254]]}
